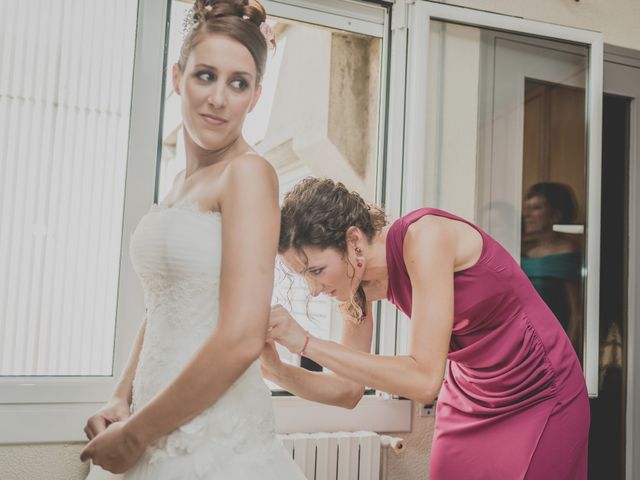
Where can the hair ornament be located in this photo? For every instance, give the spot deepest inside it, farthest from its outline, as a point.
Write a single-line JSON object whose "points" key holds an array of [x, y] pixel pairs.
{"points": [[267, 32], [188, 23]]}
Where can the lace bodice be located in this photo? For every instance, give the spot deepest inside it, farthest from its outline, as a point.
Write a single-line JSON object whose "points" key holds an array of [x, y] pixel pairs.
{"points": [[176, 251]]}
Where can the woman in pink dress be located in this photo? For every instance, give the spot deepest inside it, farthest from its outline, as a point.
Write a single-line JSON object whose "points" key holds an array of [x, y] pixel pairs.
{"points": [[513, 403]]}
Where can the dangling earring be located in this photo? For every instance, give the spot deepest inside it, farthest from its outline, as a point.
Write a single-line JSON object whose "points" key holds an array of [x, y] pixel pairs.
{"points": [[359, 257]]}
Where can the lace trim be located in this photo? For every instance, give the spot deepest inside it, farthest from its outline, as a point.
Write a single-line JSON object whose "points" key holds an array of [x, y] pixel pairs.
{"points": [[190, 206]]}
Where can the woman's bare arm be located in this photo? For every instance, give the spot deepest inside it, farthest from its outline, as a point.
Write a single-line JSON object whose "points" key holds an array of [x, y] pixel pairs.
{"points": [[429, 253], [324, 387]]}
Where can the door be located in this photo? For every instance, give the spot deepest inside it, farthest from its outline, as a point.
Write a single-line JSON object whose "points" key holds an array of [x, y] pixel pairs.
{"points": [[613, 443]]}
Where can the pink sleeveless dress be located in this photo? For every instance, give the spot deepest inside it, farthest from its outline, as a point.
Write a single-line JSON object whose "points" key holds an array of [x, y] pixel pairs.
{"points": [[514, 403]]}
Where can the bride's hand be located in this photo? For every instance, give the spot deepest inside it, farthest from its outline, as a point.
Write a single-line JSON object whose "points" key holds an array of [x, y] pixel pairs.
{"points": [[285, 330], [113, 450], [114, 411]]}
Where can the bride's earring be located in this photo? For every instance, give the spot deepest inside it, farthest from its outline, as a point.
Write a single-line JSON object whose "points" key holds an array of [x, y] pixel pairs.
{"points": [[359, 257]]}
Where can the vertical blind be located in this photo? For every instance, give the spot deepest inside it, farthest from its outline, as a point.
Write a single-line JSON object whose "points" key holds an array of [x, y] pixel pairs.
{"points": [[65, 85]]}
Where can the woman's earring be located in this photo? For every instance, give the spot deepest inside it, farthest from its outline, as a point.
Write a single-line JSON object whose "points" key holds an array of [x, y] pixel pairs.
{"points": [[359, 257]]}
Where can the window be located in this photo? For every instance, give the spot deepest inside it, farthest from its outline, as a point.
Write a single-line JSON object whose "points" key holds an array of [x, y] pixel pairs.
{"points": [[513, 105], [66, 170], [318, 120], [396, 139], [349, 130]]}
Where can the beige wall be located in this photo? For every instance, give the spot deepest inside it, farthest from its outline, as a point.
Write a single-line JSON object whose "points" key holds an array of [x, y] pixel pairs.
{"points": [[42, 462], [618, 20], [413, 462]]}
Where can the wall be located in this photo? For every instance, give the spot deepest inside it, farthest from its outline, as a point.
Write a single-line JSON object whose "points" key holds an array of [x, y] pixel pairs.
{"points": [[616, 19], [413, 462], [42, 462]]}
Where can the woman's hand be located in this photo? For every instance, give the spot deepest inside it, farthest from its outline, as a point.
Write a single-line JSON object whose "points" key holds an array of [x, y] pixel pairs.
{"points": [[114, 449], [115, 411], [285, 330], [270, 362]]}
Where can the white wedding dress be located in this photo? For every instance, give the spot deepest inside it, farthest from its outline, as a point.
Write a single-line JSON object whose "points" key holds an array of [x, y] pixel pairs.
{"points": [[176, 251]]}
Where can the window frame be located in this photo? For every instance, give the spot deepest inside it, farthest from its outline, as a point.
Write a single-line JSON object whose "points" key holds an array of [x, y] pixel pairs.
{"points": [[413, 187], [54, 409], [48, 409]]}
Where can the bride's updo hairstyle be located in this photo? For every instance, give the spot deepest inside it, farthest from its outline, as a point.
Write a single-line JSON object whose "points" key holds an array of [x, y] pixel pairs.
{"points": [[317, 212], [241, 20]]}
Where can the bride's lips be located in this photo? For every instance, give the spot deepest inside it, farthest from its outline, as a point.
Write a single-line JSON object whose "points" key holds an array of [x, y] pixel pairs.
{"points": [[212, 119]]}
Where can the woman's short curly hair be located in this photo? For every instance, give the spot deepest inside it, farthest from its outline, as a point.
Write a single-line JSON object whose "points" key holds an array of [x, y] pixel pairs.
{"points": [[317, 212]]}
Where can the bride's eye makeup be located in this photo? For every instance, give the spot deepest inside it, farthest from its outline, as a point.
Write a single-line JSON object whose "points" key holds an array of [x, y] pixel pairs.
{"points": [[205, 75], [239, 84]]}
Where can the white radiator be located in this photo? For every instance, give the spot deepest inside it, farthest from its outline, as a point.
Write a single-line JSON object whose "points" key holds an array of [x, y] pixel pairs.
{"points": [[336, 456]]}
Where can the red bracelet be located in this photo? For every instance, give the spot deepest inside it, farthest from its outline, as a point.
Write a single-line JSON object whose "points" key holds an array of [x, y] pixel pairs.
{"points": [[306, 343]]}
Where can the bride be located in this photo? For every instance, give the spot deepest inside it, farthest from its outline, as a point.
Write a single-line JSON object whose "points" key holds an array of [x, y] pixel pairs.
{"points": [[191, 403]]}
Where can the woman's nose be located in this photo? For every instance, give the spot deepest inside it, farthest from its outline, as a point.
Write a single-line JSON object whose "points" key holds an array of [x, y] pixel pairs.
{"points": [[314, 288], [217, 96]]}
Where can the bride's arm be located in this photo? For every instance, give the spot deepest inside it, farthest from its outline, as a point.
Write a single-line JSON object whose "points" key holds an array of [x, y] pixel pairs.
{"points": [[118, 407], [250, 228], [322, 387]]}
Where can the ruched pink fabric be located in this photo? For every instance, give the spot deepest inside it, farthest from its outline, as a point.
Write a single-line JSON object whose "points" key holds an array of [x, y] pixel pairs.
{"points": [[514, 403]]}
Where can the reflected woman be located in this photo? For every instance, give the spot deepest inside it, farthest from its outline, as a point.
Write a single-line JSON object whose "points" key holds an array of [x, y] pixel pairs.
{"points": [[550, 259]]}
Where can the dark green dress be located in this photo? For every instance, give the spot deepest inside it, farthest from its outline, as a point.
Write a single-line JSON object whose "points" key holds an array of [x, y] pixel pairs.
{"points": [[548, 275]]}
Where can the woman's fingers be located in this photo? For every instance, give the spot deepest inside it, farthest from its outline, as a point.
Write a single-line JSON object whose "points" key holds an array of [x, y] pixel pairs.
{"points": [[95, 425], [87, 453]]}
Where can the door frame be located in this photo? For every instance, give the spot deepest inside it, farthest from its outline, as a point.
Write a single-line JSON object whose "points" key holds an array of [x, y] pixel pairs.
{"points": [[630, 59]]}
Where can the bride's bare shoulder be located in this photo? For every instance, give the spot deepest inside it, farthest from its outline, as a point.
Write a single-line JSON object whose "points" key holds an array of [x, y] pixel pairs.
{"points": [[249, 170]]}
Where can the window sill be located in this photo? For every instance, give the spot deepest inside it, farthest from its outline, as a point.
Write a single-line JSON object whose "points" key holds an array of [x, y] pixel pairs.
{"points": [[293, 414], [64, 422]]}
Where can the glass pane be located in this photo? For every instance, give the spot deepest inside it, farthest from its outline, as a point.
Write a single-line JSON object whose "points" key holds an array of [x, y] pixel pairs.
{"points": [[314, 118], [65, 88], [510, 114], [553, 183]]}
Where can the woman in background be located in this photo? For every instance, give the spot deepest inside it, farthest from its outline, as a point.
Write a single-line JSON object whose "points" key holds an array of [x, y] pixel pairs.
{"points": [[551, 260]]}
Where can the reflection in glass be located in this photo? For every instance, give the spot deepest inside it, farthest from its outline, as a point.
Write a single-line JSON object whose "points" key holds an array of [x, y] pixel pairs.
{"points": [[552, 259], [553, 179], [313, 118], [506, 135]]}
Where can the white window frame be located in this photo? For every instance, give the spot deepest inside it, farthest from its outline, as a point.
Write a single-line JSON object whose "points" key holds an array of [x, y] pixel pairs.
{"points": [[419, 15], [54, 409]]}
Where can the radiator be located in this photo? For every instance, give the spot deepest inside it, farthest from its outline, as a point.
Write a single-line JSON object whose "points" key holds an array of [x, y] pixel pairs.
{"points": [[336, 456]]}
